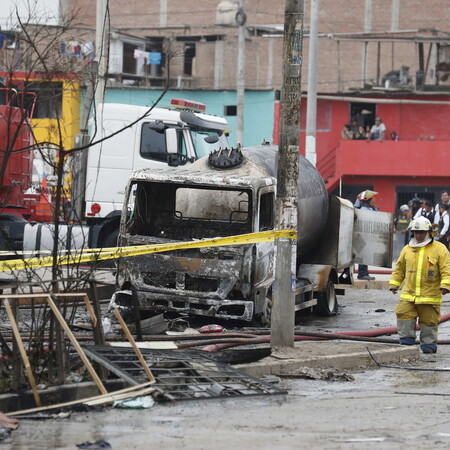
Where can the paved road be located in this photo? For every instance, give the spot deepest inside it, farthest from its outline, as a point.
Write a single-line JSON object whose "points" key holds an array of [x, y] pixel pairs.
{"points": [[385, 408]]}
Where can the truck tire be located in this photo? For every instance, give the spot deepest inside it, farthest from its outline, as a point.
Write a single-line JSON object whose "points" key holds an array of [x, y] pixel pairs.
{"points": [[327, 304], [111, 239]]}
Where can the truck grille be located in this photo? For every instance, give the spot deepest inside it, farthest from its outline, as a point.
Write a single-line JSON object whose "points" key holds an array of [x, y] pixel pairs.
{"points": [[180, 281]]}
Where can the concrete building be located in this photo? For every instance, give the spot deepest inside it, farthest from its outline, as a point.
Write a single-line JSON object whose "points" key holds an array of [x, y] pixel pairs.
{"points": [[360, 42]]}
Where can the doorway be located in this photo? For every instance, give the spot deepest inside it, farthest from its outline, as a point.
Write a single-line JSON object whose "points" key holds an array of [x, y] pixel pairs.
{"points": [[363, 113]]}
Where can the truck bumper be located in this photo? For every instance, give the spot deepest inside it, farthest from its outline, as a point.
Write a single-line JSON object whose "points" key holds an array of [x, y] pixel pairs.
{"points": [[225, 309]]}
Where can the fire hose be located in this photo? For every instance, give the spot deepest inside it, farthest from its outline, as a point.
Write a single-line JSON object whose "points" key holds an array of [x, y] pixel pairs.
{"points": [[365, 335]]}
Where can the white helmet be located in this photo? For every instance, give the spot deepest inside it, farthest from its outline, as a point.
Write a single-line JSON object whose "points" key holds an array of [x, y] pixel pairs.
{"points": [[420, 224]]}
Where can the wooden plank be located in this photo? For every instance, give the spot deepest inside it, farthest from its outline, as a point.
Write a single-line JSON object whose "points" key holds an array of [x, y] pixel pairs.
{"points": [[77, 402], [114, 397], [75, 343], [135, 347], [17, 374], [22, 351], [99, 336], [91, 312]]}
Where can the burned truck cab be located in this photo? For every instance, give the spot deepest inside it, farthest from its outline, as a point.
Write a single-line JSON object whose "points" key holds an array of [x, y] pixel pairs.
{"points": [[213, 198]]}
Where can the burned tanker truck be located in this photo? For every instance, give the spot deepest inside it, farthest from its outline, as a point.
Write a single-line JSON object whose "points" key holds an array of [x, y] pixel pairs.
{"points": [[229, 193]]}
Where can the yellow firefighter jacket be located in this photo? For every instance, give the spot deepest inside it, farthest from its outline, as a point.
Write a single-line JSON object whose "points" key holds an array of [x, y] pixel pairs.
{"points": [[425, 270]]}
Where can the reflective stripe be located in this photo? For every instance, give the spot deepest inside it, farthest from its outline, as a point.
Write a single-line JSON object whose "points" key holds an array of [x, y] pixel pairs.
{"points": [[445, 281], [416, 299], [419, 270], [395, 283]]}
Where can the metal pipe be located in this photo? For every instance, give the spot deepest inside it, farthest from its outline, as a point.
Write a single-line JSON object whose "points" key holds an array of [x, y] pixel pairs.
{"points": [[380, 100], [311, 106]]}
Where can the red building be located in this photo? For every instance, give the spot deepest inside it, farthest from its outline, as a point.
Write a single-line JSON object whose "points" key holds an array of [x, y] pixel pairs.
{"points": [[419, 163]]}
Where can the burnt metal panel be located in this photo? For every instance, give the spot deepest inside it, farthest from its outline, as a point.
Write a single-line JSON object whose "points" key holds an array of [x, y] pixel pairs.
{"points": [[176, 275], [372, 238], [335, 245]]}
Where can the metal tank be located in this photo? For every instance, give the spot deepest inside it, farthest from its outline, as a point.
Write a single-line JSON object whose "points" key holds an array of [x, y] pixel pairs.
{"points": [[312, 193]]}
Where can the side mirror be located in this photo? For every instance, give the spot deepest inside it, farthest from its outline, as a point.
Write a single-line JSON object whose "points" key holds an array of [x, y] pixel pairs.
{"points": [[173, 160], [171, 141], [157, 125], [212, 139]]}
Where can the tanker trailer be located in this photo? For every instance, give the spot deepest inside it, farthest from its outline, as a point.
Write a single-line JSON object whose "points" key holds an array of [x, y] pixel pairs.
{"points": [[229, 193]]}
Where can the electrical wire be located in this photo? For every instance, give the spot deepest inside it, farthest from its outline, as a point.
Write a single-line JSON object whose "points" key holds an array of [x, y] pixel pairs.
{"points": [[417, 369]]}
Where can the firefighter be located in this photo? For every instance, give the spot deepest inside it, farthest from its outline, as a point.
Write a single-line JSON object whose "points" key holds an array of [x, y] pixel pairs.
{"points": [[424, 265]]}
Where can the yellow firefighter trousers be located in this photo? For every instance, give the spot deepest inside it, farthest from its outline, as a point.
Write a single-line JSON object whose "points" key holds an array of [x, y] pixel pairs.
{"points": [[429, 316]]}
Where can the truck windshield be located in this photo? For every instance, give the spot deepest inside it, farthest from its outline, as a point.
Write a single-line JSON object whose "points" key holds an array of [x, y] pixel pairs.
{"points": [[177, 212], [203, 148]]}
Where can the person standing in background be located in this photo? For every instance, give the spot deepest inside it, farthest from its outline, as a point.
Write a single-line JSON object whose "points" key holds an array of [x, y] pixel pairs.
{"points": [[378, 131], [444, 225], [445, 198], [365, 200], [401, 223]]}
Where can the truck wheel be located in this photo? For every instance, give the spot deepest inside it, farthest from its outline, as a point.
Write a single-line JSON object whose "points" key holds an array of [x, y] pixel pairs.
{"points": [[110, 241], [327, 304], [263, 318]]}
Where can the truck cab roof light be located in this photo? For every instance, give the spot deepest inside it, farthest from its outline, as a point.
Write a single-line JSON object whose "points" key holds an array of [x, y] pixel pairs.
{"points": [[188, 105]]}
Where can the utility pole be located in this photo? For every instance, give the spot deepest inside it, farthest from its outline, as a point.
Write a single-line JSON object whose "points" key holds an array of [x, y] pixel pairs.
{"points": [[311, 107], [283, 307], [240, 91], [101, 49]]}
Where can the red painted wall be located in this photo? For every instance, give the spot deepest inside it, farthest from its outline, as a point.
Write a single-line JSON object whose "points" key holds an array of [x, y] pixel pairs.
{"points": [[421, 157]]}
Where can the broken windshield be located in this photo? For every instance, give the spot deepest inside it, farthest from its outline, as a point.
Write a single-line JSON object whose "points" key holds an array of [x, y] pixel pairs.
{"points": [[177, 212]]}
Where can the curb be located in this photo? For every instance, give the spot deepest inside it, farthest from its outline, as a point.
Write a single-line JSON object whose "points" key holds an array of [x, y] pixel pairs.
{"points": [[285, 361]]}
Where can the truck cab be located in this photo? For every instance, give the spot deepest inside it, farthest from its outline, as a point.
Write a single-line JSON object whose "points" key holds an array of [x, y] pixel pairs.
{"points": [[228, 282]]}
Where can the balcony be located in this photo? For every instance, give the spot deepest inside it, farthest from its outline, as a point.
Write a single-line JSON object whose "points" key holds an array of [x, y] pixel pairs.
{"points": [[387, 159]]}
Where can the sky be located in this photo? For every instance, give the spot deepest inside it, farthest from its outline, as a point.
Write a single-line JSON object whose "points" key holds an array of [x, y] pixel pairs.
{"points": [[41, 11]]}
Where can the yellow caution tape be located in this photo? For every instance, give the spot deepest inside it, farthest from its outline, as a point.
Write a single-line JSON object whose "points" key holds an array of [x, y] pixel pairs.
{"points": [[94, 255]]}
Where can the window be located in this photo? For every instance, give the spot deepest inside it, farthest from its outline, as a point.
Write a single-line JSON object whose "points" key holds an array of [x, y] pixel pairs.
{"points": [[212, 204], [153, 142], [48, 96], [189, 55], [266, 217], [129, 61], [202, 146], [230, 110]]}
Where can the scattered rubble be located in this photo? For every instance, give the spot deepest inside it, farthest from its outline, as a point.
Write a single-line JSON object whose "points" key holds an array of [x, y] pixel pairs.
{"points": [[319, 374], [97, 444]]}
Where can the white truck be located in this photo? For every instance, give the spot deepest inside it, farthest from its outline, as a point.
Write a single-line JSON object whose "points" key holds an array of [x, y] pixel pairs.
{"points": [[163, 137], [232, 192]]}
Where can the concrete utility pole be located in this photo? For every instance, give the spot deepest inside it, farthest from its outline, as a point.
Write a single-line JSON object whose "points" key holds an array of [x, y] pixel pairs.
{"points": [[240, 91], [311, 107], [283, 308]]}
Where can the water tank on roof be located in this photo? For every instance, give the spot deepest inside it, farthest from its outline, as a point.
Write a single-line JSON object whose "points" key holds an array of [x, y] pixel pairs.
{"points": [[226, 13]]}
